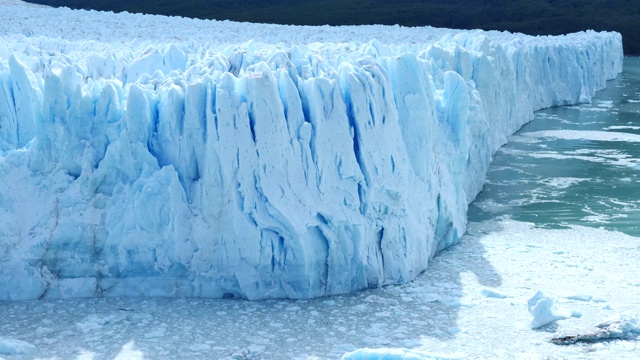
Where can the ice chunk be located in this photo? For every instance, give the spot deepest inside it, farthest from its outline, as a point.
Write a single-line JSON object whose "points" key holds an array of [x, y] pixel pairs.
{"points": [[543, 311], [579, 297], [493, 294], [396, 354], [622, 326], [15, 347], [626, 322]]}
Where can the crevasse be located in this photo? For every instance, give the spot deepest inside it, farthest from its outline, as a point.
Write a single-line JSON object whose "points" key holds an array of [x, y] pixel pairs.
{"points": [[189, 162]]}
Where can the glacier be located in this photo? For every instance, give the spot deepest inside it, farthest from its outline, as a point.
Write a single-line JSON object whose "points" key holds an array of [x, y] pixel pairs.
{"points": [[162, 156]]}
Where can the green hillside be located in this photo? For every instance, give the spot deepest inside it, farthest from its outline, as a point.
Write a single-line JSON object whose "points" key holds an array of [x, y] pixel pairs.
{"points": [[534, 17]]}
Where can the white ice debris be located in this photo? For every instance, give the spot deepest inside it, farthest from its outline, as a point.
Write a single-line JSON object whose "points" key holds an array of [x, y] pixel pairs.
{"points": [[621, 326], [493, 294], [396, 354], [579, 297], [543, 311], [502, 255], [15, 347]]}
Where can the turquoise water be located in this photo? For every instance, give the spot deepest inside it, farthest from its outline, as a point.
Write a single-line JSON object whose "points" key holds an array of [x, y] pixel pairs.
{"points": [[573, 165]]}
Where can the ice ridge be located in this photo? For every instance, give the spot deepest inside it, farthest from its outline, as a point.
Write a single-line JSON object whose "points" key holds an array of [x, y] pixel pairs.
{"points": [[190, 162]]}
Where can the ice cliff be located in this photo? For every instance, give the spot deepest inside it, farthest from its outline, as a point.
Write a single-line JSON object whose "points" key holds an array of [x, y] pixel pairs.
{"points": [[154, 156]]}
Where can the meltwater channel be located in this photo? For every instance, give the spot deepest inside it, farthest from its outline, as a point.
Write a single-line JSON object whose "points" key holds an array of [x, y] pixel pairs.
{"points": [[573, 165]]}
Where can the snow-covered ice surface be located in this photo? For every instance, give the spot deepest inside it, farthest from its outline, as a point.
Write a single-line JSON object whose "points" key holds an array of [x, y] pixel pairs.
{"points": [[445, 313], [146, 155]]}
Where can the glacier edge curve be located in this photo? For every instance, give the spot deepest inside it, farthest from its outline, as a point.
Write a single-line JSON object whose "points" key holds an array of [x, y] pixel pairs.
{"points": [[263, 169]]}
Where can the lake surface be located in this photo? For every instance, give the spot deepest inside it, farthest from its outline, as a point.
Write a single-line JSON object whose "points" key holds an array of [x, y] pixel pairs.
{"points": [[575, 165]]}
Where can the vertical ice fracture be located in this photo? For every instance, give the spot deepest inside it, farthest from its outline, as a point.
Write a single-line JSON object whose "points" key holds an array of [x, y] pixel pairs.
{"points": [[141, 156]]}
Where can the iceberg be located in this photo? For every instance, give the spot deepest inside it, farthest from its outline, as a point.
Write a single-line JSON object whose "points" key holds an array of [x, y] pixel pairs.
{"points": [[159, 156]]}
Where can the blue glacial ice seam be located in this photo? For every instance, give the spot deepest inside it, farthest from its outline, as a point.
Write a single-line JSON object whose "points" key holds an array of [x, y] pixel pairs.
{"points": [[258, 170]]}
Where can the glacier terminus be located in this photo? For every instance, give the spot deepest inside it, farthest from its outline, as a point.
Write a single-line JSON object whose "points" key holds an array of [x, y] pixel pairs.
{"points": [[162, 156]]}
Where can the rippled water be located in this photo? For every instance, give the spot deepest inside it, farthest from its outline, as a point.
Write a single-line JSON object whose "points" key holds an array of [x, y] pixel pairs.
{"points": [[573, 165]]}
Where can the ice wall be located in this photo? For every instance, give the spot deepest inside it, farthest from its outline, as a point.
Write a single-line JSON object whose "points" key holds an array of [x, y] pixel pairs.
{"points": [[153, 156]]}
